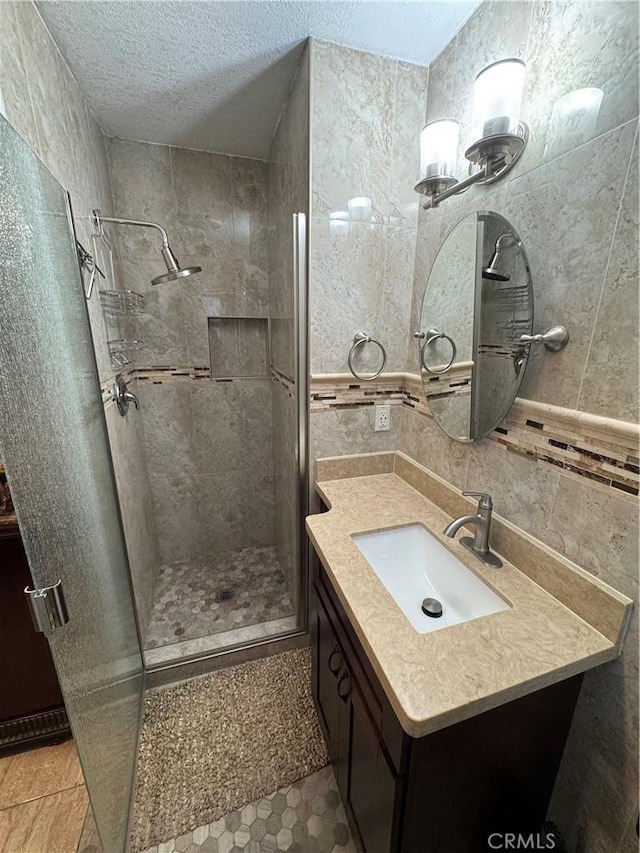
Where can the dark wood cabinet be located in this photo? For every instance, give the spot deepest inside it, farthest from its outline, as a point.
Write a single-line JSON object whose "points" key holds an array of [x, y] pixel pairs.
{"points": [[31, 704], [447, 791]]}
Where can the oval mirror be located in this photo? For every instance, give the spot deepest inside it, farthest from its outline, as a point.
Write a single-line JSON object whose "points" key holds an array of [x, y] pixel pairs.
{"points": [[478, 301]]}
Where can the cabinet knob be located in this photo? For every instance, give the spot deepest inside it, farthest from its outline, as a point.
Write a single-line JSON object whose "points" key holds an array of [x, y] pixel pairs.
{"points": [[344, 685], [335, 661]]}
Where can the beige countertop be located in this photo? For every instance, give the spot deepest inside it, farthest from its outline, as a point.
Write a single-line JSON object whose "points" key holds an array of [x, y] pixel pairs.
{"points": [[433, 680]]}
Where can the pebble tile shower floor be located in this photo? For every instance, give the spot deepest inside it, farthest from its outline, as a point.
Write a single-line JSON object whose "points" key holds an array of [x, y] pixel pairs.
{"points": [[305, 817], [191, 595]]}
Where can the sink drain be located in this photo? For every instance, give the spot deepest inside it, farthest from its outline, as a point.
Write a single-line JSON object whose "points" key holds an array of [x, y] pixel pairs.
{"points": [[432, 607], [224, 595]]}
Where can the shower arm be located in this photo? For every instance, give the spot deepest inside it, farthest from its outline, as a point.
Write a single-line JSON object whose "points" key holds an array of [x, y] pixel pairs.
{"points": [[98, 219]]}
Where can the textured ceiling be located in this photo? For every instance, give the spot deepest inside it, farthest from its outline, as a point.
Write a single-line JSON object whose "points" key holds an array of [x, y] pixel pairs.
{"points": [[214, 75]]}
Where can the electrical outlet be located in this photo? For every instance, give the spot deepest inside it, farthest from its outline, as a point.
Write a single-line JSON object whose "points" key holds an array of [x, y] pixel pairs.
{"points": [[382, 417]]}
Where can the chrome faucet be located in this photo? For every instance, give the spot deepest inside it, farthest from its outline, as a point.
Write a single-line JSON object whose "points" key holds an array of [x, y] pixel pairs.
{"points": [[479, 545]]}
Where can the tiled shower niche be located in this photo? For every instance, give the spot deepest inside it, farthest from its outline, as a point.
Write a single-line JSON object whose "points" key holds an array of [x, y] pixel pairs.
{"points": [[238, 347]]}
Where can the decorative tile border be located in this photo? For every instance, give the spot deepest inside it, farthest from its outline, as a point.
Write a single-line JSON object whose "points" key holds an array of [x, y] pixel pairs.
{"points": [[161, 374], [603, 450], [343, 391], [106, 386], [285, 381]]}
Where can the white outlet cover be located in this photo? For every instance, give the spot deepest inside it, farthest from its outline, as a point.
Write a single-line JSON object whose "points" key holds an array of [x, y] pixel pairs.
{"points": [[382, 417]]}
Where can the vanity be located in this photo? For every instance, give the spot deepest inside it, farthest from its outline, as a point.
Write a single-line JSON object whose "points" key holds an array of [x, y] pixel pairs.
{"points": [[441, 737]]}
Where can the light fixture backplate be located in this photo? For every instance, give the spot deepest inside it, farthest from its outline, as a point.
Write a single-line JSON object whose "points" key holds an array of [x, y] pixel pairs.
{"points": [[511, 144]]}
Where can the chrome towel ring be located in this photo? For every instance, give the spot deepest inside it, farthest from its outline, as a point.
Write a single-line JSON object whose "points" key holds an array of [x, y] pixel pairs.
{"points": [[359, 339], [431, 336]]}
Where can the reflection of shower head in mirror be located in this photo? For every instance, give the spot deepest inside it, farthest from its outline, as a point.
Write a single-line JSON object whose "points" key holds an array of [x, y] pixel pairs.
{"points": [[491, 272]]}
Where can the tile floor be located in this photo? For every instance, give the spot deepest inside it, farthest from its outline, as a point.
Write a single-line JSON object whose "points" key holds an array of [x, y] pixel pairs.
{"points": [[43, 800], [306, 817], [223, 592]]}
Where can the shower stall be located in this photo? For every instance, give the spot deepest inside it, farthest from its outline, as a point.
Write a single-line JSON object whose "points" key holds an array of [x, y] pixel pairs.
{"points": [[154, 418], [209, 463]]}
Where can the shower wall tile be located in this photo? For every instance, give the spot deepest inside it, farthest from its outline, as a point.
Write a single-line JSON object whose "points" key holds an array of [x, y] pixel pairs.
{"points": [[239, 347], [427, 245], [368, 113], [425, 442], [602, 801], [18, 108], [43, 101], [141, 183], [132, 480], [257, 425], [222, 508], [285, 482], [598, 46], [217, 434], [347, 276], [342, 432], [397, 293], [614, 347], [287, 193], [177, 509], [409, 115], [568, 251], [167, 419], [213, 208], [202, 183], [209, 449], [353, 120]]}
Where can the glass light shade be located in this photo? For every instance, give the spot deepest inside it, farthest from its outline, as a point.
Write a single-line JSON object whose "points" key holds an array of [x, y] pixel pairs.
{"points": [[359, 209], [439, 148], [497, 98], [339, 222]]}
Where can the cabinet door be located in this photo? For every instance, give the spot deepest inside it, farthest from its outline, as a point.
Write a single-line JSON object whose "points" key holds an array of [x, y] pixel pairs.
{"points": [[331, 679], [329, 664], [372, 786]]}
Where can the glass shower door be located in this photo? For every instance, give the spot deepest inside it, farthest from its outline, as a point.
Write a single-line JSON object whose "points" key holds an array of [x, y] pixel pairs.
{"points": [[54, 445]]}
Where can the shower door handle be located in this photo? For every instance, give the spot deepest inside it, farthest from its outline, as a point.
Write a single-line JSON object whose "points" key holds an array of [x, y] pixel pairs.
{"points": [[48, 608]]}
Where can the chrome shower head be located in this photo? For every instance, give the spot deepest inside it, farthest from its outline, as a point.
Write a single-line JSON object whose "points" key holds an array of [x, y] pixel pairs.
{"points": [[491, 271], [174, 270]]}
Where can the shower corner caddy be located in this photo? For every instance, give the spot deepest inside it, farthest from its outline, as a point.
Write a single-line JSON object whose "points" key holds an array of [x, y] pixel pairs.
{"points": [[119, 348], [119, 303]]}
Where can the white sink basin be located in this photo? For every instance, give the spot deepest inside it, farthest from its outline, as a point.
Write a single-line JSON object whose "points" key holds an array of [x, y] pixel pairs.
{"points": [[414, 565]]}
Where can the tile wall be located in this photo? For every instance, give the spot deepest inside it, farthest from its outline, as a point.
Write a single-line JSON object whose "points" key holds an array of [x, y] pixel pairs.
{"points": [[208, 443], [288, 193], [44, 103], [573, 199], [574, 202], [367, 113]]}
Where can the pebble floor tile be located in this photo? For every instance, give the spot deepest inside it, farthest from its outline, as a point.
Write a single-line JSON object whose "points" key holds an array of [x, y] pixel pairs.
{"points": [[232, 589], [306, 817]]}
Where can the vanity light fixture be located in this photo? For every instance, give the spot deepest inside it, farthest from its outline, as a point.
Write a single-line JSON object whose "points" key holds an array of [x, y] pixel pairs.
{"points": [[499, 133]]}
